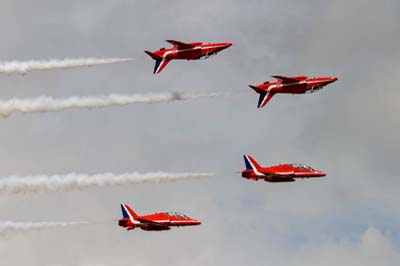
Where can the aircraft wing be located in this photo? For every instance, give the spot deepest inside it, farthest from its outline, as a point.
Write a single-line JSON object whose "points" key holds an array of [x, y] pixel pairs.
{"points": [[287, 79], [180, 44], [150, 222]]}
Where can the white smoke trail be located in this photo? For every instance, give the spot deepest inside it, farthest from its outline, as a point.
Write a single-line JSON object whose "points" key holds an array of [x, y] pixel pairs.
{"points": [[16, 185], [23, 67], [49, 104], [9, 227]]}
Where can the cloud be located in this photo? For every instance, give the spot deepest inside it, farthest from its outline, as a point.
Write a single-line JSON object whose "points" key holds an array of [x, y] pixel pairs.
{"points": [[372, 248]]}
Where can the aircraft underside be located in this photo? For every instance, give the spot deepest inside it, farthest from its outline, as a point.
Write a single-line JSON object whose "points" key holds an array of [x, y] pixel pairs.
{"points": [[155, 228], [277, 180]]}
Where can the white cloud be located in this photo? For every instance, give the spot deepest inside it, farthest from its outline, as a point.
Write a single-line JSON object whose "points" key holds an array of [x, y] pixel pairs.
{"points": [[373, 248]]}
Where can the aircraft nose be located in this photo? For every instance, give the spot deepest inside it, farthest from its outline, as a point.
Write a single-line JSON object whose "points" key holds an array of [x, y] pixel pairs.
{"points": [[320, 173], [196, 222], [330, 80], [227, 45]]}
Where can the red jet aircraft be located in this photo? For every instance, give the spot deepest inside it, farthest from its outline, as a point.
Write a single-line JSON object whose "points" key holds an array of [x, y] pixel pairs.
{"points": [[154, 222], [292, 85], [278, 173], [185, 51]]}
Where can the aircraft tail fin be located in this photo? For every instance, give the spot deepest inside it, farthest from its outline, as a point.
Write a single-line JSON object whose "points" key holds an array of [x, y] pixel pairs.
{"points": [[250, 163], [264, 96], [159, 66], [264, 99], [156, 66], [153, 55], [127, 212]]}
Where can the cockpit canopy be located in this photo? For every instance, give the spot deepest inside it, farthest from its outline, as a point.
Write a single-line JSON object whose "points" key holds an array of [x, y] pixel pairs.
{"points": [[301, 166], [176, 214]]}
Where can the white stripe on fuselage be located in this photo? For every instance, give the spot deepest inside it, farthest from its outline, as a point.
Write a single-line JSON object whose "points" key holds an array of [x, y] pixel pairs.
{"points": [[280, 85], [164, 221], [285, 173], [194, 48], [302, 173]]}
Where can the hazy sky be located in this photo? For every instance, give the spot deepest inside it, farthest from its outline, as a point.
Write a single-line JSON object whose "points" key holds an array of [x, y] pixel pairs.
{"points": [[350, 130]]}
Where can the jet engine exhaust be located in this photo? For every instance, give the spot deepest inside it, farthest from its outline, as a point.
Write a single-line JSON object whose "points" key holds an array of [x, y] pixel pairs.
{"points": [[74, 181], [11, 228], [24, 67], [44, 104]]}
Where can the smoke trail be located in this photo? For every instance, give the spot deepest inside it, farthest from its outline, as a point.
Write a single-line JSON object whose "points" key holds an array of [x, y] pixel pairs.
{"points": [[9, 227], [23, 67], [16, 185], [49, 104]]}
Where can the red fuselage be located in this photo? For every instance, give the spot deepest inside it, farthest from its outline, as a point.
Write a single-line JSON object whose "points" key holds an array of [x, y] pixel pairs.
{"points": [[198, 51], [286, 172], [292, 85], [278, 173], [302, 85], [281, 173], [158, 221], [184, 51]]}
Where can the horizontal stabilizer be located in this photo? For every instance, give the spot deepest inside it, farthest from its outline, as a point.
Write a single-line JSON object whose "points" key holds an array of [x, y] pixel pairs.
{"points": [[153, 55], [256, 89]]}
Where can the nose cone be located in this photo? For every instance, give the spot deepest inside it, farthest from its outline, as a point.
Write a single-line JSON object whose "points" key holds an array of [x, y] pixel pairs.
{"points": [[225, 45], [331, 80], [195, 222], [320, 173]]}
